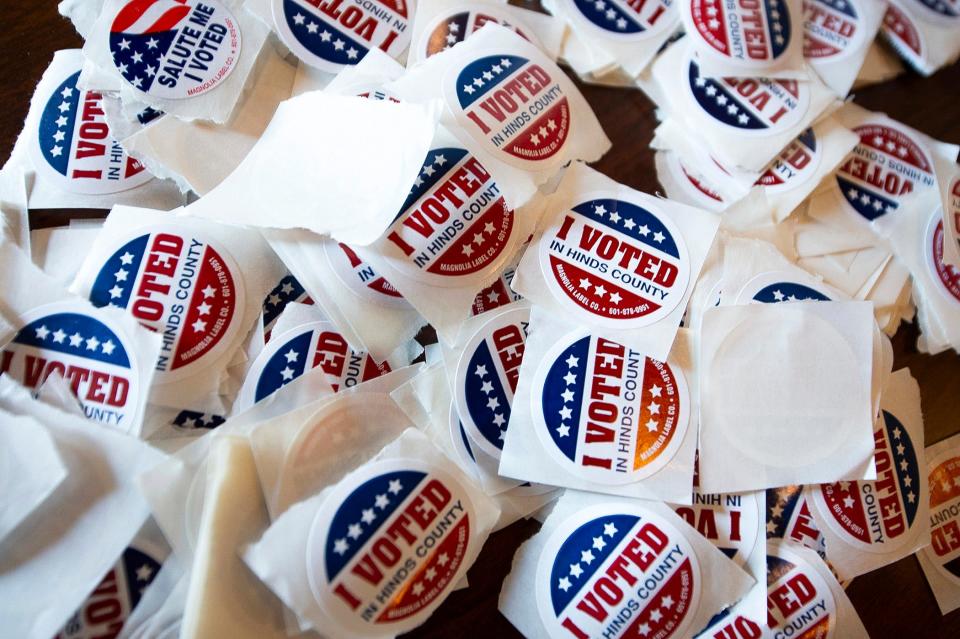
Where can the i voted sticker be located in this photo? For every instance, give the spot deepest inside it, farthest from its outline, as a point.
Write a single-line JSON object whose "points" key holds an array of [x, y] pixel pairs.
{"points": [[749, 106], [333, 34], [887, 164], [799, 600], [877, 516], [607, 413], [454, 227], [301, 349], [388, 545], [361, 278], [730, 521], [946, 276], [486, 378], [454, 25], [774, 287], [515, 106], [832, 29], [796, 164], [106, 609], [73, 147], [95, 359], [174, 49], [288, 290], [755, 33], [618, 570], [623, 20], [944, 549], [614, 262], [180, 285]]}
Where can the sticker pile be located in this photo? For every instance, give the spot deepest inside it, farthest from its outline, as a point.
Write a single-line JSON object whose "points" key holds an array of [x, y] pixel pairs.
{"points": [[217, 418]]}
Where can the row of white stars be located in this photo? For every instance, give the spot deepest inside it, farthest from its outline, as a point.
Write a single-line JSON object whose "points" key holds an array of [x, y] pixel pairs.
{"points": [[610, 14], [325, 35], [780, 297], [600, 290], [587, 556], [722, 99], [367, 516], [478, 238], [865, 198], [58, 336], [428, 168], [492, 402], [57, 150], [487, 76], [890, 146], [275, 299], [429, 575], [600, 210], [541, 133]]}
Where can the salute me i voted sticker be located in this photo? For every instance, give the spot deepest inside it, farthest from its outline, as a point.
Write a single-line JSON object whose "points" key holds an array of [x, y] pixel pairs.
{"points": [[94, 358], [605, 412], [833, 29], [754, 33], [174, 49], [73, 146], [180, 285], [617, 570], [388, 545], [332, 34], [452, 26]]}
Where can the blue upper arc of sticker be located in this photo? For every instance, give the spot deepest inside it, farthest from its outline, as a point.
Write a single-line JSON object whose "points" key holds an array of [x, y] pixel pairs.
{"points": [[938, 6], [313, 41], [438, 163], [909, 476], [707, 92], [478, 401], [361, 514], [606, 14], [610, 530], [870, 204], [484, 75], [272, 376], [842, 6], [783, 291], [59, 117], [783, 20], [552, 401], [76, 335], [645, 226], [115, 281]]}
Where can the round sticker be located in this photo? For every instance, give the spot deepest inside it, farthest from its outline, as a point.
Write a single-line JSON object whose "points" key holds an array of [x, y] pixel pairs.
{"points": [[516, 107], [180, 285], [360, 278], [898, 26], [693, 184], [454, 25], [774, 287], [618, 570], [623, 20], [877, 516], [944, 549], [332, 34], [74, 148], [730, 521], [946, 275], [887, 164], [750, 106], [614, 262], [486, 378], [95, 359], [106, 608], [799, 601], [455, 226], [388, 545], [172, 49], [755, 33], [303, 348], [832, 29], [607, 413], [794, 166]]}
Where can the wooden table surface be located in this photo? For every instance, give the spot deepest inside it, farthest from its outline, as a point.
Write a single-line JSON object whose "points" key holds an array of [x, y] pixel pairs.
{"points": [[894, 601]]}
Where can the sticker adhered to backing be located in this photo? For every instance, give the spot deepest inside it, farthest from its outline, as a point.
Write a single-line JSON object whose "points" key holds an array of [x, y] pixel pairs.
{"points": [[887, 164], [516, 107], [798, 597], [615, 263], [774, 287], [486, 378], [795, 165], [333, 34], [180, 285], [696, 187], [454, 228], [730, 521], [755, 33], [944, 549], [749, 106], [946, 276], [360, 278], [388, 545], [877, 516], [899, 28], [623, 20], [618, 570], [96, 360], [605, 412], [456, 24], [832, 29], [174, 49]]}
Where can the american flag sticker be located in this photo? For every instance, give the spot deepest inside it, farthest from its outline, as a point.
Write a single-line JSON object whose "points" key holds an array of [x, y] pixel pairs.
{"points": [[799, 600], [333, 34], [944, 482], [73, 147], [388, 545], [180, 285], [886, 165], [615, 262], [947, 275], [794, 166], [94, 358], [360, 278], [832, 29], [454, 227], [605, 412], [756, 32], [174, 49], [486, 378], [454, 26], [624, 20], [617, 570]]}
